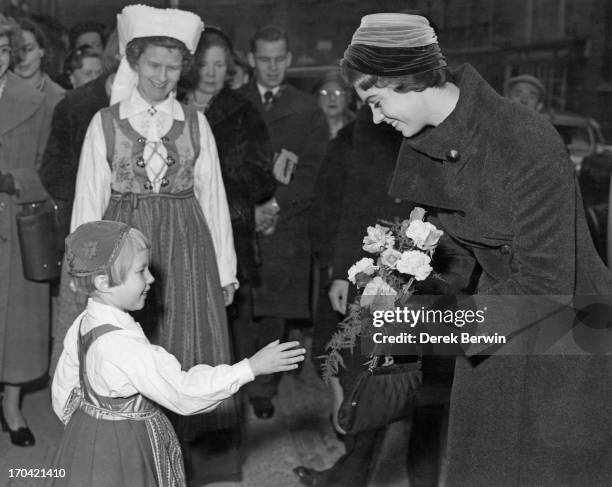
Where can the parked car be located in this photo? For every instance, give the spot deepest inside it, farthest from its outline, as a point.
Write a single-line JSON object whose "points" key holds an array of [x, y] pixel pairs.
{"points": [[593, 161], [581, 134], [594, 181]]}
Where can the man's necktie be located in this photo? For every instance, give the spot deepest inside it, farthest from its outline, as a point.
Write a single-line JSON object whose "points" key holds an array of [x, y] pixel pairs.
{"points": [[268, 99]]}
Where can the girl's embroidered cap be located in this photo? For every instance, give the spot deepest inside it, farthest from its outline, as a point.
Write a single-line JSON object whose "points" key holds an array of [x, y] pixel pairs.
{"points": [[144, 21], [94, 246]]}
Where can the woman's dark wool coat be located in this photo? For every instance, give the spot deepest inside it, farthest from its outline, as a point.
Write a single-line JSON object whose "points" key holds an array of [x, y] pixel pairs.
{"points": [[508, 196]]}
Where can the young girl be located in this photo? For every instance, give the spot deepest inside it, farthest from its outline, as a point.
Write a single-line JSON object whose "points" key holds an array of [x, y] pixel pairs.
{"points": [[110, 379]]}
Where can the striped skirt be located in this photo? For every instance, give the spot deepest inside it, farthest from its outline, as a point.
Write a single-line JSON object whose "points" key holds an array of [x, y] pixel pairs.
{"points": [[185, 311]]}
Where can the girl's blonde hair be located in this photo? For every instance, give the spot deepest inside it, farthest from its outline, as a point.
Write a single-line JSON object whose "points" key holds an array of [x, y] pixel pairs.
{"points": [[134, 242]]}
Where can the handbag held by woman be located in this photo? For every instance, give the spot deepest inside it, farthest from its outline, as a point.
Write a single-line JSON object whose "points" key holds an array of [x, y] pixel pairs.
{"points": [[380, 396], [37, 227]]}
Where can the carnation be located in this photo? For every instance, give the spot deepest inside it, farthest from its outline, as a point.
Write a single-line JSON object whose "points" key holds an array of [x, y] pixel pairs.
{"points": [[424, 235], [389, 257], [378, 295], [417, 213], [377, 239], [415, 263], [365, 266]]}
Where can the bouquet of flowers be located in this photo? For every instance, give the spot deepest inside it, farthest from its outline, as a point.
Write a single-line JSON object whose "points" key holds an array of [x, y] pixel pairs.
{"points": [[402, 256]]}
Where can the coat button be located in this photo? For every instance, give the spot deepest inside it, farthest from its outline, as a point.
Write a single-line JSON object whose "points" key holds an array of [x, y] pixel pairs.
{"points": [[148, 185], [165, 139], [140, 162], [453, 155], [3, 238], [141, 140], [170, 161], [505, 249], [164, 182]]}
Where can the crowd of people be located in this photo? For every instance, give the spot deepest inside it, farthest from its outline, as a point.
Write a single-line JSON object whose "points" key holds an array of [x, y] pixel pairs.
{"points": [[212, 211]]}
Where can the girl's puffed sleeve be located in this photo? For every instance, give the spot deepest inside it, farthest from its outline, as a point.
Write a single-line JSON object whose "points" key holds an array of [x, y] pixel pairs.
{"points": [[127, 362]]}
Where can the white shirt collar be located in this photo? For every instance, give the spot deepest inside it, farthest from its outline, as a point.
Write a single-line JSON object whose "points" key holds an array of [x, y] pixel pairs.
{"points": [[263, 89], [101, 314], [135, 105]]}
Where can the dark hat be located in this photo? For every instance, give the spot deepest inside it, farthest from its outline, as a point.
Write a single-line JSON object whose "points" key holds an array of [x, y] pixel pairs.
{"points": [[525, 78], [94, 246], [213, 29], [394, 44]]}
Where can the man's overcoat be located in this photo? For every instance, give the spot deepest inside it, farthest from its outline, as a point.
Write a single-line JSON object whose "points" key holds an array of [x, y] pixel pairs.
{"points": [[297, 124]]}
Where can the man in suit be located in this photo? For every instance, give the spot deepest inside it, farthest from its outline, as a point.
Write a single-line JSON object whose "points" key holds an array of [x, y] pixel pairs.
{"points": [[299, 133]]}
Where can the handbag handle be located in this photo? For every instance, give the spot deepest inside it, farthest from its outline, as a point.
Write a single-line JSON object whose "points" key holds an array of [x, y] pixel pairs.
{"points": [[374, 362]]}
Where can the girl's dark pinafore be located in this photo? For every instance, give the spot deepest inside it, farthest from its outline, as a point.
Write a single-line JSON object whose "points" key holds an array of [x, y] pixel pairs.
{"points": [[115, 441]]}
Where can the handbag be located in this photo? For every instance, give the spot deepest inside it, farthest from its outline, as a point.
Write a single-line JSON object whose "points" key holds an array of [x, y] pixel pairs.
{"points": [[38, 228], [380, 396]]}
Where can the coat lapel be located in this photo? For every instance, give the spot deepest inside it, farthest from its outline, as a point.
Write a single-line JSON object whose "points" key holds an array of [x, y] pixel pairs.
{"points": [[18, 103], [436, 167], [281, 108], [224, 106], [426, 181]]}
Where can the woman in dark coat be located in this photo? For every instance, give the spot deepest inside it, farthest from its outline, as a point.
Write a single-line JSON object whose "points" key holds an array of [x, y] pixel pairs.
{"points": [[503, 188], [245, 156], [242, 142]]}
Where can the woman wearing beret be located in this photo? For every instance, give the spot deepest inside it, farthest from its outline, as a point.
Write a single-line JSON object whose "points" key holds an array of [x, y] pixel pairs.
{"points": [[497, 176]]}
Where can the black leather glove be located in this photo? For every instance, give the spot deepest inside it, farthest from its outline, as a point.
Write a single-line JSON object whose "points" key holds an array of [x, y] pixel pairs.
{"points": [[7, 183]]}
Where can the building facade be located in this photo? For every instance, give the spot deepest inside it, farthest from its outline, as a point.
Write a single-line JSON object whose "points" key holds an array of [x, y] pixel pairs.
{"points": [[565, 43]]}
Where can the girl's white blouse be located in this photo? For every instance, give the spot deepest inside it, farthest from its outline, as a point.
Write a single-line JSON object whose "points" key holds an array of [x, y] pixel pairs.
{"points": [[123, 362], [93, 184]]}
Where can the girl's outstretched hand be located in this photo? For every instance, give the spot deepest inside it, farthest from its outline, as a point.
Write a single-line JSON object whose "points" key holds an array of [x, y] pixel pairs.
{"points": [[277, 357]]}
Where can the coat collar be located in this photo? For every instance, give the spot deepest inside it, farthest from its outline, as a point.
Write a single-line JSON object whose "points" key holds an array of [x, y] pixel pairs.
{"points": [[93, 93], [456, 132], [283, 106], [225, 104], [53, 91], [426, 171], [19, 100]]}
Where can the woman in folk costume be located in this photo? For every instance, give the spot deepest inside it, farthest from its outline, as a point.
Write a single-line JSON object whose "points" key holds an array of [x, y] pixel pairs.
{"points": [[536, 410], [152, 163]]}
